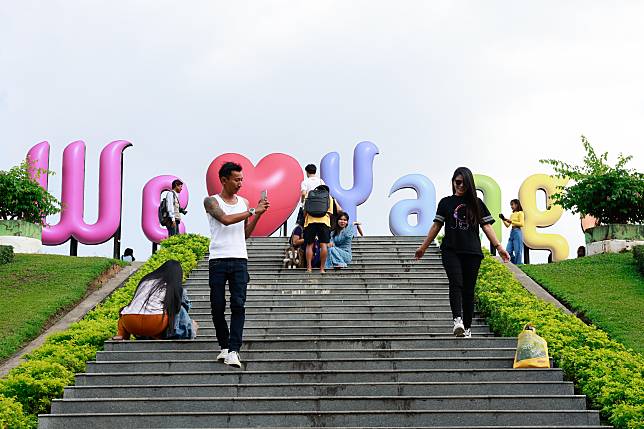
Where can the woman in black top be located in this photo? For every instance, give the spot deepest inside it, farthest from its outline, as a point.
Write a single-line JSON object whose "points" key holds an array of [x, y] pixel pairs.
{"points": [[462, 213]]}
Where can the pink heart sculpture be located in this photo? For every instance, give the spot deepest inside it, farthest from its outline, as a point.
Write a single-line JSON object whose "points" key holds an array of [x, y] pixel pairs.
{"points": [[278, 173]]}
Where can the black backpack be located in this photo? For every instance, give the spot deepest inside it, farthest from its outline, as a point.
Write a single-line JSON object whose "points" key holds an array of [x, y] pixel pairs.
{"points": [[164, 215], [317, 202]]}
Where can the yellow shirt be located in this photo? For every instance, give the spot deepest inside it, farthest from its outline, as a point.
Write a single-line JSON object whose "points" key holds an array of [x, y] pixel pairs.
{"points": [[517, 219], [326, 219]]}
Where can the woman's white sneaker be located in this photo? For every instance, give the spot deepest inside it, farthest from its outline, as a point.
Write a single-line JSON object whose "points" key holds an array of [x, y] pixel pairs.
{"points": [[467, 333], [223, 354], [459, 328], [233, 359]]}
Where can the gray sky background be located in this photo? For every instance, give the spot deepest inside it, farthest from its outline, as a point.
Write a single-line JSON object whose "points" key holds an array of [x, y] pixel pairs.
{"points": [[492, 85]]}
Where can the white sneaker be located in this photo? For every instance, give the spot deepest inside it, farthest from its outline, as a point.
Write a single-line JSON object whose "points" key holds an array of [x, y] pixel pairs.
{"points": [[223, 354], [467, 333], [233, 359], [459, 328]]}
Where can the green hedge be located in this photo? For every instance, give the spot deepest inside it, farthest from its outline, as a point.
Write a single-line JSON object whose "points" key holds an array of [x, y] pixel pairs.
{"points": [[638, 255], [29, 388], [609, 374], [6, 254]]}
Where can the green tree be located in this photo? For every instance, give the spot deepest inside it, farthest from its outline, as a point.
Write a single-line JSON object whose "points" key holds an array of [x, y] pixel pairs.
{"points": [[23, 198], [609, 194]]}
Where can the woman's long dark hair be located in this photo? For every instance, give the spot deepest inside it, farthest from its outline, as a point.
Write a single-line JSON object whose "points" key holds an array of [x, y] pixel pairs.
{"points": [[336, 226], [518, 203], [471, 199], [168, 276]]}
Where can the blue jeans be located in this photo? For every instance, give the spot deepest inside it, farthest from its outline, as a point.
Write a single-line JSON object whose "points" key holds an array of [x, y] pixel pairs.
{"points": [[515, 246], [235, 271]]}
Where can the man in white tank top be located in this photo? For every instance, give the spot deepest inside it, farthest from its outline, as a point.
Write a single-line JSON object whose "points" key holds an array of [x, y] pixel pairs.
{"points": [[231, 223]]}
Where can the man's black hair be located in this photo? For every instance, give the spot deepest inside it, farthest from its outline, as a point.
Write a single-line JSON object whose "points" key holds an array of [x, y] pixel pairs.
{"points": [[311, 169], [176, 182], [227, 169]]}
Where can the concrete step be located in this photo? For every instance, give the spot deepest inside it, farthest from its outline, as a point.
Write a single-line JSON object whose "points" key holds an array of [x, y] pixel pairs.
{"points": [[387, 342], [208, 354], [338, 276], [315, 280], [203, 294], [399, 418], [206, 328], [339, 364], [227, 375], [335, 307], [340, 291], [318, 314], [323, 389], [218, 403], [254, 322]]}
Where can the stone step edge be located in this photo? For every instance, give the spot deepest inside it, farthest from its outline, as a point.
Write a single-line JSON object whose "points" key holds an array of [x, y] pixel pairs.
{"points": [[319, 397], [321, 360], [357, 339], [449, 349], [230, 371], [321, 384], [244, 413]]}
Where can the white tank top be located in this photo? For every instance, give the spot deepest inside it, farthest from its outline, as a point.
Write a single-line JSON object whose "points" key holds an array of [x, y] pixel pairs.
{"points": [[228, 241]]}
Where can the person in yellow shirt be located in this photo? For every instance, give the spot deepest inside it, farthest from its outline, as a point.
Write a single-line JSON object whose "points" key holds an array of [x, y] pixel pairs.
{"points": [[318, 227], [516, 221]]}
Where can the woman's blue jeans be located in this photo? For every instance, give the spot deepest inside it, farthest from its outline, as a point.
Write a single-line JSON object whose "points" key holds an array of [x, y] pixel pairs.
{"points": [[515, 246]]}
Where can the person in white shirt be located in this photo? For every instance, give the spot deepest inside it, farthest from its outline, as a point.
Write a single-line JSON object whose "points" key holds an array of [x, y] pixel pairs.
{"points": [[311, 182], [231, 223], [174, 210], [156, 303]]}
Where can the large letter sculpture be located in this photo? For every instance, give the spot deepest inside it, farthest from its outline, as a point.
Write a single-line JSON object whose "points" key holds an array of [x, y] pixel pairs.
{"points": [[72, 224], [424, 207], [350, 199], [277, 173], [535, 218], [150, 207], [492, 198]]}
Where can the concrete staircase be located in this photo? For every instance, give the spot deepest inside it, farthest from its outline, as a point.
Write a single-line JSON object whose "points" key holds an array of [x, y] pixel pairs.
{"points": [[368, 346]]}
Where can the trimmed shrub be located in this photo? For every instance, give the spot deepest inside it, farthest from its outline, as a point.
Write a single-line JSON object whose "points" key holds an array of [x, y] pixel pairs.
{"points": [[609, 374], [34, 384], [638, 255], [6, 254], [12, 416]]}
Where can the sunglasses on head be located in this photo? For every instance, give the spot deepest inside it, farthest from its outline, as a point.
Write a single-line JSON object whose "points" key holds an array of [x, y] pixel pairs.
{"points": [[458, 182]]}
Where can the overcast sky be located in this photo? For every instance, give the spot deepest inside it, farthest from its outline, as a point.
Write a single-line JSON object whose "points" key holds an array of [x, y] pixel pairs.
{"points": [[492, 85]]}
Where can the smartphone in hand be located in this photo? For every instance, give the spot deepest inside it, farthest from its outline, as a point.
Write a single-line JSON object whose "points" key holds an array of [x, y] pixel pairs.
{"points": [[264, 194], [501, 216]]}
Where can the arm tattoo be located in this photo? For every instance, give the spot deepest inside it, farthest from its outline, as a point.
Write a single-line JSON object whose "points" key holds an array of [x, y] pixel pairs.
{"points": [[212, 208]]}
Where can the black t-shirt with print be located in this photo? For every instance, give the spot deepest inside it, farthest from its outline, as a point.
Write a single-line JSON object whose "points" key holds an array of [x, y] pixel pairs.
{"points": [[460, 236]]}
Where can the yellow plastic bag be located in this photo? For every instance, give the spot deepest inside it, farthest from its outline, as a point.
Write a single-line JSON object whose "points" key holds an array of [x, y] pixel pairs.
{"points": [[532, 350]]}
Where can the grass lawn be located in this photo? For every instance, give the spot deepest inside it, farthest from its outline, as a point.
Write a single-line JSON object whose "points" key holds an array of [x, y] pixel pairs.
{"points": [[606, 289], [33, 288]]}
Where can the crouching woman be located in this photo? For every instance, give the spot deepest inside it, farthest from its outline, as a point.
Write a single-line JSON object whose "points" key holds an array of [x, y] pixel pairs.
{"points": [[159, 308], [340, 247]]}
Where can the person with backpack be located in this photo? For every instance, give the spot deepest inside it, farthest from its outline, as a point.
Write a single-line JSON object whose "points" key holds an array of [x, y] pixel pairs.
{"points": [[462, 213], [170, 211], [319, 206]]}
